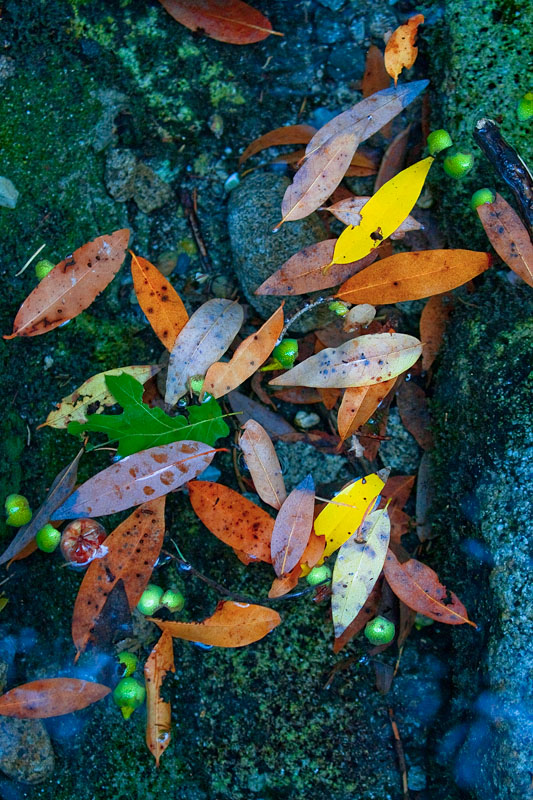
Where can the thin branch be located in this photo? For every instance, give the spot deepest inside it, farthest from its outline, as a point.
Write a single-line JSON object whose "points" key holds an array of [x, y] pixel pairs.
{"points": [[194, 224]]}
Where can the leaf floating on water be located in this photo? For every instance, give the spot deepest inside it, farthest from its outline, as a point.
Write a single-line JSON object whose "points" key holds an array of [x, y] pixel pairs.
{"points": [[263, 463], [230, 21], [509, 237], [50, 697], [292, 527], [72, 285], [160, 302], [288, 134], [232, 625], [432, 326], [400, 51], [158, 712]]}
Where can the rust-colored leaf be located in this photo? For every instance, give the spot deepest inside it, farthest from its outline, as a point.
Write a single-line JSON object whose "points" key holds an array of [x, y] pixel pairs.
{"points": [[358, 404], [509, 237], [414, 412], [160, 302], [376, 77], [288, 134], [367, 613], [418, 586], [232, 625], [397, 490], [292, 527], [137, 478], [233, 519], [432, 326], [400, 51], [222, 378], [72, 285], [230, 21], [302, 395], [132, 550], [158, 712], [410, 276], [50, 697], [263, 463], [393, 160]]}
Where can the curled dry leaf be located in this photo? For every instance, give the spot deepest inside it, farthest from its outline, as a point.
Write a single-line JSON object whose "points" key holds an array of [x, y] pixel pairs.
{"points": [[50, 697], [160, 302], [418, 586], [146, 475], [132, 550], [72, 285], [349, 212], [509, 236], [414, 413], [304, 271], [158, 712], [233, 519], [432, 326], [358, 404], [230, 21], [411, 276], [263, 463], [222, 378], [232, 625], [400, 51], [292, 527], [358, 362], [203, 340], [288, 134]]}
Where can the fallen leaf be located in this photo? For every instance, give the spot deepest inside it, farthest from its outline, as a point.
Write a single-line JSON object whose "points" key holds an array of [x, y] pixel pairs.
{"points": [[230, 21], [432, 326], [112, 625], [411, 276], [400, 51], [160, 302], [397, 490], [158, 712], [72, 285], [132, 550], [368, 612], [145, 475], [358, 362], [349, 212], [263, 463], [312, 555], [414, 412], [203, 340], [50, 697], [393, 159], [302, 395], [288, 134], [232, 625], [407, 620], [275, 425], [292, 527], [358, 404], [375, 77], [420, 589], [509, 237], [222, 378], [232, 518]]}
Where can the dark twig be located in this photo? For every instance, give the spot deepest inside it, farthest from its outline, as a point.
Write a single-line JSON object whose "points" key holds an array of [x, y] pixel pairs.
{"points": [[307, 307], [509, 167], [400, 754], [194, 224]]}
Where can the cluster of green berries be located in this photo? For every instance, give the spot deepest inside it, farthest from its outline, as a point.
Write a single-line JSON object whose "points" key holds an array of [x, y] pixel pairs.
{"points": [[456, 164], [153, 598]]}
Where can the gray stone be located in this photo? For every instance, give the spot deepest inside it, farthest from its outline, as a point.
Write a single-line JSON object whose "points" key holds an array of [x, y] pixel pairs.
{"points": [[25, 750], [120, 174], [333, 5], [150, 192], [113, 102], [329, 29], [8, 193], [298, 459], [400, 452]]}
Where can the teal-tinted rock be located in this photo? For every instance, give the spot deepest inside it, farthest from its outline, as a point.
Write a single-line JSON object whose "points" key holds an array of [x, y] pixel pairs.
{"points": [[8, 193]]}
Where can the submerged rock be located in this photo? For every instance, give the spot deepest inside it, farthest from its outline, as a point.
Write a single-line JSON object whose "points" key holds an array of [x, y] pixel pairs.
{"points": [[9, 195]]}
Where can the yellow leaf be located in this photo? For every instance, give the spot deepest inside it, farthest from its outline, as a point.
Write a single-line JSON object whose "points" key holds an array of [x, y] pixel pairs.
{"points": [[383, 214]]}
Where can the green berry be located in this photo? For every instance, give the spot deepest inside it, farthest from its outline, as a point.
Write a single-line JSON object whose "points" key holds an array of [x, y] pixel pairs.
{"points": [[481, 197], [380, 630], [285, 352], [339, 308], [458, 165], [150, 599], [173, 600], [319, 575], [129, 662], [48, 538], [196, 385], [43, 267], [129, 694], [438, 140], [18, 510], [524, 109]]}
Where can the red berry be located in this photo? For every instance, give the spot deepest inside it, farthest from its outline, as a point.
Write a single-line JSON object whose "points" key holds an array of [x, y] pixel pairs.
{"points": [[82, 540]]}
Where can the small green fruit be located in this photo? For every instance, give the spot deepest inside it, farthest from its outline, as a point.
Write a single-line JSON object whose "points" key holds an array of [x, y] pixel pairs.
{"points": [[524, 109], [319, 575], [18, 510], [173, 600], [481, 197], [129, 694], [196, 385], [380, 631], [339, 308], [458, 165], [48, 538], [438, 140], [129, 662], [43, 267], [150, 599], [285, 352]]}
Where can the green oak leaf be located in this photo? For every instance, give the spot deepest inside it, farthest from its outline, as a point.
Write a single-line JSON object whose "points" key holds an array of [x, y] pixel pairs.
{"points": [[140, 427]]}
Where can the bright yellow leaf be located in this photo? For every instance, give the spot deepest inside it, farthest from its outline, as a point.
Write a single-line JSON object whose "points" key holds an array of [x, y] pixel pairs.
{"points": [[383, 214]]}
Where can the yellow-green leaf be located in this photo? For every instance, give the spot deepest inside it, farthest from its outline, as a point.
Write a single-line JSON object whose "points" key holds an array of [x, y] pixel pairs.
{"points": [[383, 214], [358, 566]]}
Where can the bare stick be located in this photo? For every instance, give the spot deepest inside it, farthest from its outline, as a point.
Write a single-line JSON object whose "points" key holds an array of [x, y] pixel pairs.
{"points": [[194, 224], [399, 753]]}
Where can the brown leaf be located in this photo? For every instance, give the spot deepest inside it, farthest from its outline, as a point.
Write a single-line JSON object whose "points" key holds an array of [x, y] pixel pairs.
{"points": [[50, 697], [432, 326], [72, 285], [400, 51], [292, 527], [375, 78], [275, 425], [230, 21], [509, 237], [158, 712], [160, 302], [363, 164], [263, 463], [358, 404], [397, 490], [288, 134], [393, 161], [302, 395], [407, 620], [414, 413]]}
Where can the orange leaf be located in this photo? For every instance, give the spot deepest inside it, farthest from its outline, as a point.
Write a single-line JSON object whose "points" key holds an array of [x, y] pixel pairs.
{"points": [[222, 378], [230, 21], [132, 550], [375, 78], [72, 285], [420, 589], [432, 326], [414, 412], [509, 237], [263, 463], [358, 404], [292, 527], [233, 519], [232, 625], [50, 697], [159, 663], [410, 276], [400, 51], [288, 134], [160, 302], [397, 490]]}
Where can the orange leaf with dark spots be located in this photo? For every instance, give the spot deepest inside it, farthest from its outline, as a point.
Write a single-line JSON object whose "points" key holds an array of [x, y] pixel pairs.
{"points": [[230, 21], [432, 326], [159, 300], [158, 711], [508, 236], [400, 51], [232, 625], [50, 697]]}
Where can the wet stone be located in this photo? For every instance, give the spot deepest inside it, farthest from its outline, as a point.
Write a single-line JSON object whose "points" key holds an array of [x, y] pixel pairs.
{"points": [[120, 174], [400, 452], [149, 191], [25, 750], [8, 193]]}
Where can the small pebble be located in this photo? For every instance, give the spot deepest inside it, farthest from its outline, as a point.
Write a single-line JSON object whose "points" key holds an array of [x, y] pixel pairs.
{"points": [[8, 194], [306, 420]]}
